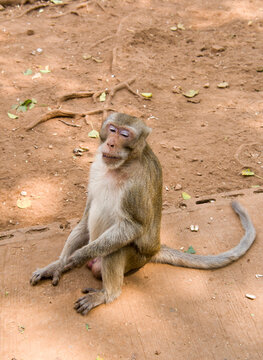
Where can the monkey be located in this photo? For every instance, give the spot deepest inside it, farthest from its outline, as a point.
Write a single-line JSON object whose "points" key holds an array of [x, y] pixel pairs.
{"points": [[119, 231]]}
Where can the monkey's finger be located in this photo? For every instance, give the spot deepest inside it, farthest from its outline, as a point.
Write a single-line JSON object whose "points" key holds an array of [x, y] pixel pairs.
{"points": [[36, 277], [56, 278]]}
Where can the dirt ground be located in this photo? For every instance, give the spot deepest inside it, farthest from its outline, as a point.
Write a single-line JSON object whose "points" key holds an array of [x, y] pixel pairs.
{"points": [[168, 48], [203, 146]]}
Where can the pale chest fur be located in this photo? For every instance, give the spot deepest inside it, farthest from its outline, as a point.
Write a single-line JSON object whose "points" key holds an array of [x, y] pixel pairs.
{"points": [[105, 198]]}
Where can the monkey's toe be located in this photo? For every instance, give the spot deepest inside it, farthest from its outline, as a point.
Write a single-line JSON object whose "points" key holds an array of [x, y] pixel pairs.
{"points": [[36, 277], [89, 301]]}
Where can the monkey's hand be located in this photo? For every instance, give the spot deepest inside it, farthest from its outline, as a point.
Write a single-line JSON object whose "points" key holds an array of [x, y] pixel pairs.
{"points": [[52, 271], [77, 259]]}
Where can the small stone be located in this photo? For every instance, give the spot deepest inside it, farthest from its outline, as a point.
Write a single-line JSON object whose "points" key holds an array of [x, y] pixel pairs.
{"points": [[176, 148], [30, 32], [23, 193], [178, 187], [50, 146], [217, 48], [251, 296], [2, 8], [194, 228], [177, 89], [172, 77], [206, 85], [163, 145]]}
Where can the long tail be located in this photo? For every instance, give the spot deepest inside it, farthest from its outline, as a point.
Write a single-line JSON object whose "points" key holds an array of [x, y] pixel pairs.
{"points": [[175, 257]]}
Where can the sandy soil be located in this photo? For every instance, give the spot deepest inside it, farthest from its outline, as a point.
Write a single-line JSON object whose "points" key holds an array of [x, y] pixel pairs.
{"points": [[202, 142]]}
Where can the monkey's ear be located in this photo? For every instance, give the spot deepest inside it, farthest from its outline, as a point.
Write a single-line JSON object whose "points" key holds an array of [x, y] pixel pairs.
{"points": [[147, 131]]}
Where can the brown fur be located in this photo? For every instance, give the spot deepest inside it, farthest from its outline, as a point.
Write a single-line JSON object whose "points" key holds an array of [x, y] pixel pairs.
{"points": [[120, 229]]}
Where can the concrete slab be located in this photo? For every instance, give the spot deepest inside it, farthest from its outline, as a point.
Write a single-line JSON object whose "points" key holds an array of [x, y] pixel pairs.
{"points": [[163, 313]]}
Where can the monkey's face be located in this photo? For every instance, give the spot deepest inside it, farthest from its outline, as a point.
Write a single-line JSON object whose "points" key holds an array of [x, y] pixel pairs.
{"points": [[116, 145]]}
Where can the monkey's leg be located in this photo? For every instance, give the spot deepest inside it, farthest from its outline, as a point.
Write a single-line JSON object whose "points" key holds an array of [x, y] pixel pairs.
{"points": [[77, 239], [114, 266]]}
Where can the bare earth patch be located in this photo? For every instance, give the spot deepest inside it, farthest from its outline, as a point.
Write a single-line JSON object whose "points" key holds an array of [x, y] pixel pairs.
{"points": [[54, 54]]}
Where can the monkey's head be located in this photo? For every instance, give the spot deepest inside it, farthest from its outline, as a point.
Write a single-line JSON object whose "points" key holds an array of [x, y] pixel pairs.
{"points": [[123, 137]]}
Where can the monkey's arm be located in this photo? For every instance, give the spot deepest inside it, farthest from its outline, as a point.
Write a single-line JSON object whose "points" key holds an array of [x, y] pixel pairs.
{"points": [[77, 238], [113, 239]]}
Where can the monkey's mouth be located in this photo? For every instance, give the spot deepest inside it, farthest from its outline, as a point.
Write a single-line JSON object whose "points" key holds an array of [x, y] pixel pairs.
{"points": [[110, 157]]}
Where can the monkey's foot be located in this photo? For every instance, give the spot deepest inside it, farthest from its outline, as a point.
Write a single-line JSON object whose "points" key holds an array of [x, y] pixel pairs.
{"points": [[52, 271], [93, 298]]}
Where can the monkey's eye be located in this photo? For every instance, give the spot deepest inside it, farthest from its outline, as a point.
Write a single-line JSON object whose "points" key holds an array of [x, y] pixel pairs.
{"points": [[112, 129], [125, 133]]}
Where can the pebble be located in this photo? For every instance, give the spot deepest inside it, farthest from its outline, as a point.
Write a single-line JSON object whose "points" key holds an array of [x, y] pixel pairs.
{"points": [[176, 148], [23, 193], [251, 296], [217, 48], [194, 228], [30, 32], [178, 187]]}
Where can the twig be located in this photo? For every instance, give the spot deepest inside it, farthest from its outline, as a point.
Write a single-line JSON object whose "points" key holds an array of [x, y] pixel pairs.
{"points": [[101, 41], [70, 124], [105, 109], [33, 8], [65, 113], [80, 94], [53, 114], [74, 12]]}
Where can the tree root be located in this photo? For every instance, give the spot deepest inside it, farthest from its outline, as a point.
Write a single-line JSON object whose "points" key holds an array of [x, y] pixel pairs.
{"points": [[94, 94], [33, 8]]}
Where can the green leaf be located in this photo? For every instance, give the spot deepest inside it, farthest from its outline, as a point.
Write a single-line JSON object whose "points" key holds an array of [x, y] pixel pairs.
{"points": [[191, 93], [21, 329], [190, 250], [147, 95], [57, 1], [21, 108], [186, 196], [87, 326], [27, 104], [46, 70], [247, 172], [12, 116], [174, 28], [93, 134], [181, 26], [23, 203], [103, 96], [28, 72]]}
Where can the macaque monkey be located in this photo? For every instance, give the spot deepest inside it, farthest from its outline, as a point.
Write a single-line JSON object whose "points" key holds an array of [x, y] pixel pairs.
{"points": [[120, 229]]}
